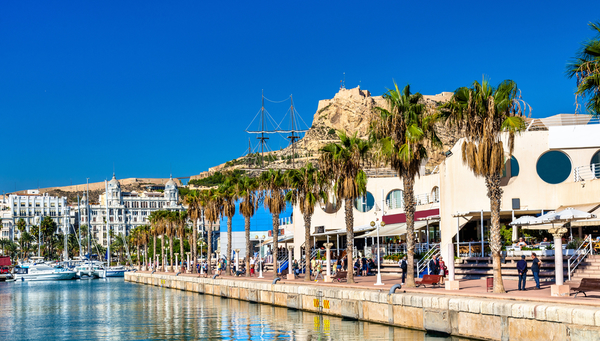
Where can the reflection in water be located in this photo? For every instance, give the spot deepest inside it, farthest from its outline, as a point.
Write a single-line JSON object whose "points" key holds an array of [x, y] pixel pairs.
{"points": [[114, 309]]}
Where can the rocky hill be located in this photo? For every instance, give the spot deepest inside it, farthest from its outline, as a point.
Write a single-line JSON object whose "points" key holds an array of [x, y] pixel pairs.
{"points": [[350, 110]]}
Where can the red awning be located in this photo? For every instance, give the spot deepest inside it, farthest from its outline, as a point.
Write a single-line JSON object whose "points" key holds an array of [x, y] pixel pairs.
{"points": [[401, 217], [5, 261]]}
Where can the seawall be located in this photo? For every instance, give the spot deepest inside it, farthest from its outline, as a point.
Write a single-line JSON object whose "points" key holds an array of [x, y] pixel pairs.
{"points": [[480, 318]]}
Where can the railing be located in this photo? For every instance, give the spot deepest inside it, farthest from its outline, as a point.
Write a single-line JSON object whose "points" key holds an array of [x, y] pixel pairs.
{"points": [[302, 265], [471, 246], [579, 255], [587, 172], [424, 262]]}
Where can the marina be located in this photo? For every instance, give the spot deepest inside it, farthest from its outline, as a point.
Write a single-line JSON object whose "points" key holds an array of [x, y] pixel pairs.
{"points": [[112, 309]]}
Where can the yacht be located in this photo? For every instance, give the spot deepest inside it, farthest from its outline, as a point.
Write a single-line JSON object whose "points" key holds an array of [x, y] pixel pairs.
{"points": [[84, 271], [116, 271], [41, 272]]}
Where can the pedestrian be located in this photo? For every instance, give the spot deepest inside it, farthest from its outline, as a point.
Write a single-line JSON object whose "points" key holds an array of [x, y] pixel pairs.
{"points": [[434, 266], [443, 268], [251, 266], [522, 269], [535, 269], [313, 266], [404, 266], [318, 271]]}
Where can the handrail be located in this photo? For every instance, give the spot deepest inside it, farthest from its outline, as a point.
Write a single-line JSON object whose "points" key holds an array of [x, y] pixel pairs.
{"points": [[424, 262], [580, 254], [587, 172]]}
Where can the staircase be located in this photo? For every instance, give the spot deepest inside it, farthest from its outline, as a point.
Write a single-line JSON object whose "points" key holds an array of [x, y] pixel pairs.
{"points": [[589, 268]]}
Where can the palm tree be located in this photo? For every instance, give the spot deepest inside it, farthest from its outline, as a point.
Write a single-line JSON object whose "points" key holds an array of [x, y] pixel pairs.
{"points": [[486, 112], [246, 189], [402, 131], [307, 186], [273, 184], [229, 197], [180, 221], [195, 213], [586, 70], [343, 163], [154, 219], [212, 204], [145, 233], [170, 230]]}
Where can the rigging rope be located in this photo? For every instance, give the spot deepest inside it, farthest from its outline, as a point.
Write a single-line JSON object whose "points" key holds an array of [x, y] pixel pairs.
{"points": [[278, 101]]}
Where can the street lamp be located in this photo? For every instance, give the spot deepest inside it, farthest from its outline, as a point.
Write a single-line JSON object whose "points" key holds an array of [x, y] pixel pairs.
{"points": [[379, 224], [261, 256]]}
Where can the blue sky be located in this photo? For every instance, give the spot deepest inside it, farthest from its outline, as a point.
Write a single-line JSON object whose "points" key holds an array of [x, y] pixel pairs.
{"points": [[153, 87]]}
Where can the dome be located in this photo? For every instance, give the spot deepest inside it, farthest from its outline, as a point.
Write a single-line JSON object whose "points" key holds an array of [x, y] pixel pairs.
{"points": [[114, 182], [171, 183]]}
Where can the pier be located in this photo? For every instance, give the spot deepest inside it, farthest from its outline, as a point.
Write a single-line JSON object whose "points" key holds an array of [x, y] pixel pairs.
{"points": [[461, 313]]}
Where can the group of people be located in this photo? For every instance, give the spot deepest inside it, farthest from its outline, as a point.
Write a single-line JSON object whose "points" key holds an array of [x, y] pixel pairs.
{"points": [[436, 267], [522, 268]]}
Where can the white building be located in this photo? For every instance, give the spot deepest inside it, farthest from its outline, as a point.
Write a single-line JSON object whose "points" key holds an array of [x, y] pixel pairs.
{"points": [[126, 210], [33, 207]]}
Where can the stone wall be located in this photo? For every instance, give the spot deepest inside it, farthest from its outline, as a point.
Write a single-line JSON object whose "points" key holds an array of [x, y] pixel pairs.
{"points": [[487, 319]]}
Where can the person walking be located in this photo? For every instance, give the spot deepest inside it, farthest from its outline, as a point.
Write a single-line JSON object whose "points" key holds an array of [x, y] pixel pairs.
{"points": [[251, 266], [404, 266], [522, 269], [313, 266], [535, 269]]}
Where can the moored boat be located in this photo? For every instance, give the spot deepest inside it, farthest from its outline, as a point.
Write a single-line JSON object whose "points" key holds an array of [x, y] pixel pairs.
{"points": [[42, 273]]}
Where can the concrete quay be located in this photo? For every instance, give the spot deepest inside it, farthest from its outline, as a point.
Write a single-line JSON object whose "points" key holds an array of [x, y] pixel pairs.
{"points": [[458, 315]]}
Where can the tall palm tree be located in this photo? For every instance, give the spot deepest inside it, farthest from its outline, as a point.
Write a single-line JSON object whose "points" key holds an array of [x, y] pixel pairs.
{"points": [[229, 197], [145, 235], [402, 131], [170, 231], [246, 189], [155, 219], [273, 184], [195, 213], [486, 112], [585, 67], [308, 186], [212, 204], [181, 218], [343, 163]]}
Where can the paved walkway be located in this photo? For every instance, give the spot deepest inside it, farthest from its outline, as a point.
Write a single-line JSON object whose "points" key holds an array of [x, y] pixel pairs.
{"points": [[468, 288]]}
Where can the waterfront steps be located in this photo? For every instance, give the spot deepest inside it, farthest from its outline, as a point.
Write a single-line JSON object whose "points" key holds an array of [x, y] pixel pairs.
{"points": [[589, 268], [481, 267], [489, 318]]}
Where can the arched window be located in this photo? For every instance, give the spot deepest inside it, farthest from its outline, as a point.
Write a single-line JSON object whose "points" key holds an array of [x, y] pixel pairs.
{"points": [[395, 199], [435, 194], [595, 165]]}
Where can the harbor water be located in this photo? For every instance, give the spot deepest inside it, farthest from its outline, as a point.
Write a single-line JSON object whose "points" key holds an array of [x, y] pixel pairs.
{"points": [[112, 309]]}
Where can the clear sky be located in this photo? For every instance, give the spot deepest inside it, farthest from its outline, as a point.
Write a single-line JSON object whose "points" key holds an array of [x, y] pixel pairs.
{"points": [[153, 87]]}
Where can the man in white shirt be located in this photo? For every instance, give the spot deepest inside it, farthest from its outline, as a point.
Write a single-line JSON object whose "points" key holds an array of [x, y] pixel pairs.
{"points": [[251, 266]]}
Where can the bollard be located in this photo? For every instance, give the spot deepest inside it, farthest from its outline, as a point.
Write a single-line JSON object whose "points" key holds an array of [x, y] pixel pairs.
{"points": [[275, 280], [178, 273], [215, 276], [153, 271], [393, 289]]}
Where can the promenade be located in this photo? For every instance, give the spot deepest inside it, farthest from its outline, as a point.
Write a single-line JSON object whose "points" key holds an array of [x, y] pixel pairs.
{"points": [[468, 312]]}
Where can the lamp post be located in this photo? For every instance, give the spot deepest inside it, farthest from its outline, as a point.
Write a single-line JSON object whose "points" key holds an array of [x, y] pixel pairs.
{"points": [[379, 224], [260, 240]]}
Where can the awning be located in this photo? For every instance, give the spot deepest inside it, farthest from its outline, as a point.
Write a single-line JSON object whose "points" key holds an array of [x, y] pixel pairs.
{"points": [[392, 230], [583, 207], [357, 229], [281, 239], [401, 217], [589, 222]]}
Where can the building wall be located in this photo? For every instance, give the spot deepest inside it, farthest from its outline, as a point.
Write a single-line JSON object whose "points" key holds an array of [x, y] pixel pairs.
{"points": [[33, 208], [462, 192]]}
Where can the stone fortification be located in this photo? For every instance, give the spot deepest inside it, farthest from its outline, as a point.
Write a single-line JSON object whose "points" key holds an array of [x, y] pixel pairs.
{"points": [[481, 318]]}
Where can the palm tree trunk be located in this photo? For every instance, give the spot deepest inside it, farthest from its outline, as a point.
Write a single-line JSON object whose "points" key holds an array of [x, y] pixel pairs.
{"points": [[162, 251], [138, 257], [307, 219], [229, 246], [409, 210], [209, 250], [350, 239], [154, 251], [181, 249], [171, 252], [495, 194], [194, 246], [146, 256], [247, 232], [276, 246]]}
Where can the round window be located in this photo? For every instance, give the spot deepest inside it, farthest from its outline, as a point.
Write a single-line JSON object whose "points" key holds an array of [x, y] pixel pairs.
{"points": [[331, 206], [511, 168], [554, 167], [595, 165], [395, 199], [364, 203]]}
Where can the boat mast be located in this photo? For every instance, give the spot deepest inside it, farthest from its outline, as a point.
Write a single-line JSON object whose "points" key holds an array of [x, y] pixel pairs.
{"points": [[262, 136], [107, 224], [293, 137], [87, 213], [79, 225]]}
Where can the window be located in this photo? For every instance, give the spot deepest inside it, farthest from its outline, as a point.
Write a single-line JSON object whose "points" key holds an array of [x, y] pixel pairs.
{"points": [[364, 203], [595, 165], [395, 199], [331, 206], [435, 194], [554, 167]]}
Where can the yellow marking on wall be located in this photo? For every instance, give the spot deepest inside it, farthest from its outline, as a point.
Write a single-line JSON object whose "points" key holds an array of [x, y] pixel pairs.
{"points": [[316, 302], [326, 304]]}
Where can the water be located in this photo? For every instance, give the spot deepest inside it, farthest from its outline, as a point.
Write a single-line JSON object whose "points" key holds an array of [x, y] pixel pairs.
{"points": [[119, 310]]}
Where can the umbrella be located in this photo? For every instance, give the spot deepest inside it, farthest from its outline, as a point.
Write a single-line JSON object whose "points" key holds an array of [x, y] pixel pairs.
{"points": [[525, 220], [566, 215]]}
